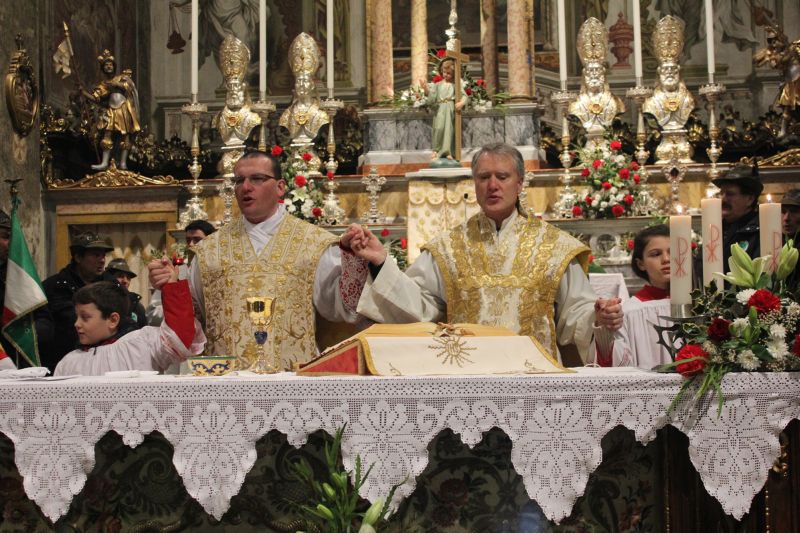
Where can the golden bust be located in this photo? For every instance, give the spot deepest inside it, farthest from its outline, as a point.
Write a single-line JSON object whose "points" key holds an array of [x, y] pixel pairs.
{"points": [[303, 118], [671, 102]]}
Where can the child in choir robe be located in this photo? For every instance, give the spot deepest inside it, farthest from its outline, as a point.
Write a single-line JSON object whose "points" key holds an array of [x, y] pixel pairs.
{"points": [[636, 343], [107, 344]]}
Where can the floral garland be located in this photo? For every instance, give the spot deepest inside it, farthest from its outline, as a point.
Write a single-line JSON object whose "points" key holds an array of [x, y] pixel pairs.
{"points": [[612, 183], [303, 198], [752, 326]]}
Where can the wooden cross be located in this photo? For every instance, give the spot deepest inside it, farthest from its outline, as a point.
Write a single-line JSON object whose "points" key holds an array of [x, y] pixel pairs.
{"points": [[458, 57]]}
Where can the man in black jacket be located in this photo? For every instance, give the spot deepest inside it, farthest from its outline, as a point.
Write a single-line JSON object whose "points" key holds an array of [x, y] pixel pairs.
{"points": [[740, 188], [87, 266], [120, 273]]}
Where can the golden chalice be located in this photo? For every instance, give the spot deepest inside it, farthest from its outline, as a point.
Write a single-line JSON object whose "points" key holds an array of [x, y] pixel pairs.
{"points": [[261, 311]]}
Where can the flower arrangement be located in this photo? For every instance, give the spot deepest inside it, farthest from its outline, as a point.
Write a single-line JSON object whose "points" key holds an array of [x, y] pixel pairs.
{"points": [[752, 326], [396, 248], [612, 183], [302, 199]]}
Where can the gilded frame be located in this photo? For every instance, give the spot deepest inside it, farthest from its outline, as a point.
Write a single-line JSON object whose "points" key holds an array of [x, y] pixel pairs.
{"points": [[22, 91]]}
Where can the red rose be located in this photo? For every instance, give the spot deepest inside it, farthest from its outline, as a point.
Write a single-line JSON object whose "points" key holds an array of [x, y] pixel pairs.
{"points": [[281, 201], [719, 329], [317, 212], [577, 211], [585, 173], [636, 178], [764, 302], [479, 82], [617, 210], [588, 199], [634, 165], [307, 157], [616, 145], [624, 173], [591, 259], [628, 199], [403, 243], [468, 91], [606, 185], [437, 79], [385, 232], [300, 181], [441, 52], [694, 245], [597, 163], [692, 368], [630, 244], [330, 175], [277, 150], [796, 347]]}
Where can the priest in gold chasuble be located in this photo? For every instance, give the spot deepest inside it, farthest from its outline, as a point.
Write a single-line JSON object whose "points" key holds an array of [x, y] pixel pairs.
{"points": [[267, 252], [500, 268]]}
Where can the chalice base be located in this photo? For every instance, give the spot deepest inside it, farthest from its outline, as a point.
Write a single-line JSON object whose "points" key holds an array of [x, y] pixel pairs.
{"points": [[262, 365]]}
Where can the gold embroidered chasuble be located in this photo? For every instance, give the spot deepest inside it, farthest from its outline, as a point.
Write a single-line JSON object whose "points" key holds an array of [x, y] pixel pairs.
{"points": [[284, 270], [508, 279]]}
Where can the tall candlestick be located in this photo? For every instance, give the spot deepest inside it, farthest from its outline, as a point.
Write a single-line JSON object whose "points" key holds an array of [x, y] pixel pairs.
{"points": [[680, 253], [711, 209], [769, 223], [710, 39], [637, 42], [329, 50], [262, 49], [562, 45], [195, 39]]}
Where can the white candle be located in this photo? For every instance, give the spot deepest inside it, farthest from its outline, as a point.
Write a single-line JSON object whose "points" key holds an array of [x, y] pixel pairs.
{"points": [[710, 39], [329, 56], [680, 254], [711, 209], [769, 222], [195, 38], [562, 45], [262, 49], [637, 42]]}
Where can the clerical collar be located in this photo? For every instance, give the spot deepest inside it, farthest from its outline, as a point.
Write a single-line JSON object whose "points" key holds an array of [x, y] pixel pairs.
{"points": [[489, 223], [649, 292], [268, 226]]}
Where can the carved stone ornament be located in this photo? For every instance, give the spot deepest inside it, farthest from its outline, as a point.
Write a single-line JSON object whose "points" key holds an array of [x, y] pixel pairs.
{"points": [[113, 177], [22, 91]]}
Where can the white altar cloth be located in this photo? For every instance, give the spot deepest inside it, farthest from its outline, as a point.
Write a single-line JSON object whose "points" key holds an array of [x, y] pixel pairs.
{"points": [[556, 423]]}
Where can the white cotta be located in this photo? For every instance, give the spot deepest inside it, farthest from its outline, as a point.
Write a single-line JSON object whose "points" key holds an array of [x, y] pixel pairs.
{"points": [[637, 343]]}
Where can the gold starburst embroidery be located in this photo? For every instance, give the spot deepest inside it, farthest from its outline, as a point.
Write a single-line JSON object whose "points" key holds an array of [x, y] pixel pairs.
{"points": [[452, 349]]}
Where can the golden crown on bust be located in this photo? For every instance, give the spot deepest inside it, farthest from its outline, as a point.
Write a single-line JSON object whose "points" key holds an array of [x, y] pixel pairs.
{"points": [[592, 41], [105, 56], [668, 39], [234, 58]]}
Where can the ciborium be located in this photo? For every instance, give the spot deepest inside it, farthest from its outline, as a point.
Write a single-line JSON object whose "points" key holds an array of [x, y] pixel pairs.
{"points": [[261, 311]]}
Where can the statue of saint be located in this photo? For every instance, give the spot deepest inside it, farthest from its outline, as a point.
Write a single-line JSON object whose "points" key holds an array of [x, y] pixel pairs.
{"points": [[595, 106], [303, 118], [784, 56], [671, 102], [118, 118], [442, 95]]}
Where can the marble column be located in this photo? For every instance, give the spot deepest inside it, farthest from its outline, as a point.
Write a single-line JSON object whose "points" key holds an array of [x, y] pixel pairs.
{"points": [[382, 82], [519, 73], [489, 44], [532, 45], [419, 41]]}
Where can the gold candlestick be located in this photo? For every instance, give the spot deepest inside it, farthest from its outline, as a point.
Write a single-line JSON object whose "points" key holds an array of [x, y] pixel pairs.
{"points": [[194, 206], [712, 92], [567, 197]]}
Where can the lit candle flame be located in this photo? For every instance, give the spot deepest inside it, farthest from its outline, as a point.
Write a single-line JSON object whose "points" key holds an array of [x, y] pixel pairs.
{"points": [[679, 209], [769, 198]]}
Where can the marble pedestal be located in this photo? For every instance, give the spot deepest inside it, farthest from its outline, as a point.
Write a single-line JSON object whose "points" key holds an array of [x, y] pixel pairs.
{"points": [[399, 142]]}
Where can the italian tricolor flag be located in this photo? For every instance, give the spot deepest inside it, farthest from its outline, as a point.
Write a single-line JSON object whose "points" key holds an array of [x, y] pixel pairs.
{"points": [[24, 295]]}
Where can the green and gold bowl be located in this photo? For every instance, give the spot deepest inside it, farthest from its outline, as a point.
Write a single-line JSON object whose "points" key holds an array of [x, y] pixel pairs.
{"points": [[212, 365]]}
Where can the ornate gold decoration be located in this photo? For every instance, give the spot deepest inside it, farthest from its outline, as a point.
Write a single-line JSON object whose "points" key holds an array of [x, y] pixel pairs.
{"points": [[781, 464], [113, 177], [592, 42], [453, 349], [304, 117], [668, 39], [22, 90], [234, 58], [106, 56], [786, 158]]}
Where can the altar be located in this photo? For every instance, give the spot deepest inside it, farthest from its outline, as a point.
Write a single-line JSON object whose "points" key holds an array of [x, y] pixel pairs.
{"points": [[555, 426]]}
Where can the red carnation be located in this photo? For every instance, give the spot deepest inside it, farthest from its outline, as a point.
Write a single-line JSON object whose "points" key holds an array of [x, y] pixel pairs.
{"points": [[385, 232], [719, 329], [597, 163], [624, 173], [616, 145], [694, 245], [764, 302], [403, 243], [585, 173], [606, 185], [277, 150], [588, 199], [468, 91], [577, 211], [796, 347], [634, 165], [617, 210], [441, 52], [628, 199], [479, 82], [636, 178], [630, 244], [317, 212], [437, 79], [307, 157], [330, 175], [691, 368], [300, 181]]}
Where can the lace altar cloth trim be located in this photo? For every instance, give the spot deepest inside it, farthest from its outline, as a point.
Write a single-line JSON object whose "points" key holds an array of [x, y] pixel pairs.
{"points": [[556, 424]]}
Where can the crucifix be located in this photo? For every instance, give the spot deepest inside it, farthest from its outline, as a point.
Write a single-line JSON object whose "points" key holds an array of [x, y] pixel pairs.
{"points": [[454, 52]]}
